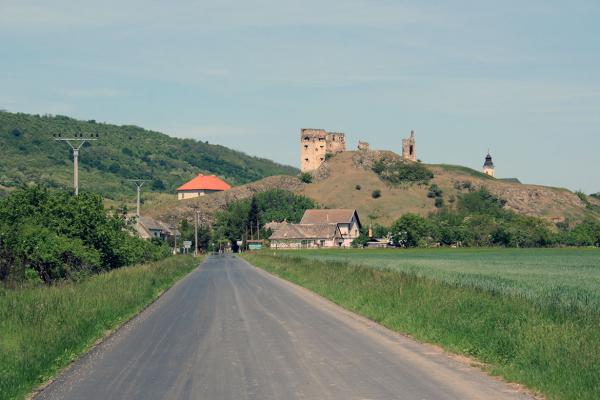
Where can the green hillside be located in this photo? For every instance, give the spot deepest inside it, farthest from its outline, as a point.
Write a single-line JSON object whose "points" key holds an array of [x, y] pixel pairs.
{"points": [[28, 154]]}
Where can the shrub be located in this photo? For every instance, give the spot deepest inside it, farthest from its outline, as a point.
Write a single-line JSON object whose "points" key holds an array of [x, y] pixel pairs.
{"points": [[328, 156], [398, 172], [306, 177], [434, 191], [439, 202], [358, 187], [376, 194]]}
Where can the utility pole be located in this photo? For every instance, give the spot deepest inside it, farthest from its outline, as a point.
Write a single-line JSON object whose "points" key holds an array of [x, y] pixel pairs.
{"points": [[75, 143], [196, 221], [138, 183]]}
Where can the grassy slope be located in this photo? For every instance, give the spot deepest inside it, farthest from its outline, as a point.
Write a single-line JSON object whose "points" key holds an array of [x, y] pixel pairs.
{"points": [[43, 329], [550, 347], [338, 189], [122, 152]]}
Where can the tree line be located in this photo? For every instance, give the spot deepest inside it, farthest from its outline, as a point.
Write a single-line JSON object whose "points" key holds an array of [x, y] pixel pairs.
{"points": [[480, 219], [49, 235]]}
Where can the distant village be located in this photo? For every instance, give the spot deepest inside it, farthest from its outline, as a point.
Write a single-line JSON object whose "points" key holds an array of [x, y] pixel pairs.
{"points": [[319, 228]]}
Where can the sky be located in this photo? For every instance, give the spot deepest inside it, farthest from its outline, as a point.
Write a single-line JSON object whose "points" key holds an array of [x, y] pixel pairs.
{"points": [[520, 78]]}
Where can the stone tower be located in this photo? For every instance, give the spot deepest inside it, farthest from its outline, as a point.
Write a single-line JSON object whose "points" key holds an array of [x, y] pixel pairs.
{"points": [[488, 166], [315, 144], [409, 148]]}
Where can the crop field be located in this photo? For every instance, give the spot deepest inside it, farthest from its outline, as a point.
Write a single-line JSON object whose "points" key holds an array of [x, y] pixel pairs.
{"points": [[565, 278], [531, 316]]}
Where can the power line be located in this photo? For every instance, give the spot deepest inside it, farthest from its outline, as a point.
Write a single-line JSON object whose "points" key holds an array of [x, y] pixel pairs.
{"points": [[76, 143]]}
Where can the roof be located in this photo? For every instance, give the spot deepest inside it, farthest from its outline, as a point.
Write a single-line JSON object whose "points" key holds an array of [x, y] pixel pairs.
{"points": [[488, 161], [147, 224], [205, 182], [333, 216], [306, 231]]}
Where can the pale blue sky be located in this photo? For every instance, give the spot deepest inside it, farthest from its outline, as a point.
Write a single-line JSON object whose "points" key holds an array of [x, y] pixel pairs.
{"points": [[519, 77]]}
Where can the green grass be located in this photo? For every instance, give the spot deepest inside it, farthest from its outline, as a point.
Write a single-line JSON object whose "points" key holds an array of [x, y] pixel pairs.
{"points": [[43, 329], [480, 303], [463, 170], [563, 278]]}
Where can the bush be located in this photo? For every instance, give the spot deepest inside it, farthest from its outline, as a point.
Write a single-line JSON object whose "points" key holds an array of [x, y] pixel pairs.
{"points": [[376, 194], [358, 187], [434, 191], [306, 177], [398, 172], [439, 202]]}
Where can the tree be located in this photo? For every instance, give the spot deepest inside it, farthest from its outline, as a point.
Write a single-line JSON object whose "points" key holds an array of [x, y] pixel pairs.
{"points": [[412, 230]]}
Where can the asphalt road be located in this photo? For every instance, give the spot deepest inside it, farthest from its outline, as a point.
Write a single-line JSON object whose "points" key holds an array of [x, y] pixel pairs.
{"points": [[230, 331]]}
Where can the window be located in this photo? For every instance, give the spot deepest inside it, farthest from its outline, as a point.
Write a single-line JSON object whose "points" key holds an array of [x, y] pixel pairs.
{"points": [[306, 146], [412, 149], [306, 159]]}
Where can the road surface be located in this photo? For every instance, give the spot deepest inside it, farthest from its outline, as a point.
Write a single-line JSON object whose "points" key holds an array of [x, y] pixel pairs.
{"points": [[229, 331]]}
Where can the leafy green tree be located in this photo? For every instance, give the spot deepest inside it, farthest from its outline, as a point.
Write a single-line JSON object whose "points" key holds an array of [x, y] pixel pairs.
{"points": [[412, 230], [60, 235]]}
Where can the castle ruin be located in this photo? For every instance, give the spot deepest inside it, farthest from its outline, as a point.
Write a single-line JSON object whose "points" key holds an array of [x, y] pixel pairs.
{"points": [[315, 144], [409, 148]]}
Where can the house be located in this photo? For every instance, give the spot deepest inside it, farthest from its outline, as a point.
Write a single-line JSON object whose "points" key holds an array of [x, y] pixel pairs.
{"points": [[200, 186], [318, 228], [150, 228], [346, 219], [297, 236]]}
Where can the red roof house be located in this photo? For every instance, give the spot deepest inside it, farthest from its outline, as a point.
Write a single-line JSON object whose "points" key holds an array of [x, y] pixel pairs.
{"points": [[200, 186]]}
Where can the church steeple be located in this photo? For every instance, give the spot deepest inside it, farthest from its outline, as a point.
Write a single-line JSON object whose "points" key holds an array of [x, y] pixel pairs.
{"points": [[488, 166]]}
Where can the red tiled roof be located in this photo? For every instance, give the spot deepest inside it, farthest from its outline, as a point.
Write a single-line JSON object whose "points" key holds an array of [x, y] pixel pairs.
{"points": [[206, 182]]}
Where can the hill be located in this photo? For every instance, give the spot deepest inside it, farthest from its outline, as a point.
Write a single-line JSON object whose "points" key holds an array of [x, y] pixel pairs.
{"points": [[347, 181], [337, 180], [28, 154]]}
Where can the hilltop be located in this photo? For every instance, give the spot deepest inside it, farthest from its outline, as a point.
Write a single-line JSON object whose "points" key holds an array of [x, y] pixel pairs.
{"points": [[336, 186], [345, 182], [28, 154]]}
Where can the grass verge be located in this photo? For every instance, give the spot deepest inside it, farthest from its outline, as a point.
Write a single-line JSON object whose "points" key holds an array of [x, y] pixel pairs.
{"points": [[551, 350], [43, 329]]}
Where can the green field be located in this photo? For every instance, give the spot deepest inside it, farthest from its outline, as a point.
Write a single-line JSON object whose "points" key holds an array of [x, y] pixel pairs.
{"points": [[44, 328], [565, 278], [532, 316]]}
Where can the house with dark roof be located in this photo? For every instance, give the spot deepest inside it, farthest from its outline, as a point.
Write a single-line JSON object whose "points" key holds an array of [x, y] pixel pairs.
{"points": [[346, 219], [150, 228], [296, 236], [318, 228], [201, 185]]}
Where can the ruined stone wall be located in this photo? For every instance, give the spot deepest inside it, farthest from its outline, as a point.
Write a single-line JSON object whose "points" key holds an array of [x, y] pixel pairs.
{"points": [[315, 144], [409, 148], [336, 142]]}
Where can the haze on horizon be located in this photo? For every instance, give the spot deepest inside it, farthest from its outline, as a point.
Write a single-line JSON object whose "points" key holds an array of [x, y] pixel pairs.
{"points": [[520, 79]]}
